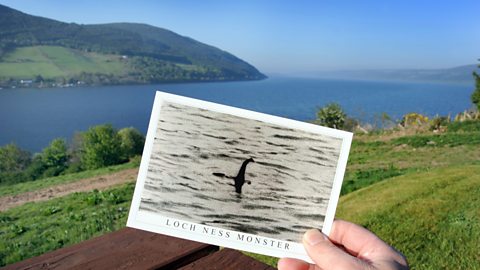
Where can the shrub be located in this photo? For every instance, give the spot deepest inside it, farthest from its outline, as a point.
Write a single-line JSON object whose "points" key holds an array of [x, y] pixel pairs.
{"points": [[132, 142], [101, 147], [439, 122], [55, 157], [13, 159], [331, 115], [476, 93], [13, 162], [466, 126], [414, 120]]}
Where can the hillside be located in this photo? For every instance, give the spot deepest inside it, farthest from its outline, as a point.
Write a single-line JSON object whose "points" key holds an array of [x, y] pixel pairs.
{"points": [[54, 51], [460, 74], [418, 190], [432, 217]]}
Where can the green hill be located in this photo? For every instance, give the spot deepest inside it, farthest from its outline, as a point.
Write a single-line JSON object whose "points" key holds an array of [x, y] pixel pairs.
{"points": [[108, 53], [56, 61], [432, 217]]}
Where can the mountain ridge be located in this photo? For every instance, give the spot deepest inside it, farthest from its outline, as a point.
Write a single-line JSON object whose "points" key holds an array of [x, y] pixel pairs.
{"points": [[457, 74], [155, 53]]}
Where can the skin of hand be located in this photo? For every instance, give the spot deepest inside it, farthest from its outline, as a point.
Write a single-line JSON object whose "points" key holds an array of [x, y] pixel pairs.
{"points": [[348, 247]]}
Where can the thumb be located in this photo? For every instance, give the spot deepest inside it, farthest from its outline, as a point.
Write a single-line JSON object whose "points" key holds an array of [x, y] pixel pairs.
{"points": [[328, 256]]}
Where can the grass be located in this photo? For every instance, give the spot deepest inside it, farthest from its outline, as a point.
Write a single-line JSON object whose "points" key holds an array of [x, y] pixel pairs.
{"points": [[432, 217], [35, 228], [55, 62], [423, 198], [383, 155], [413, 212], [363, 178], [10, 190]]}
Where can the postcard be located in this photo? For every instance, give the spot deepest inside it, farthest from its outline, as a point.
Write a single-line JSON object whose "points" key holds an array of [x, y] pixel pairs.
{"points": [[237, 178]]}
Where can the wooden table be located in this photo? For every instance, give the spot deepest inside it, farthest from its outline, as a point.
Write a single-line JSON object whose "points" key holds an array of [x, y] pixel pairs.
{"points": [[136, 249]]}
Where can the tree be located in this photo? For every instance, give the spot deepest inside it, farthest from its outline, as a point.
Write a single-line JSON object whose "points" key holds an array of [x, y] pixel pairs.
{"points": [[132, 142], [55, 157], [476, 93], [101, 147], [38, 79], [331, 115], [13, 162], [12, 158]]}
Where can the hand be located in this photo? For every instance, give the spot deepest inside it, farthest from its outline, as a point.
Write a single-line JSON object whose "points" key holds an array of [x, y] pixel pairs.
{"points": [[349, 247]]}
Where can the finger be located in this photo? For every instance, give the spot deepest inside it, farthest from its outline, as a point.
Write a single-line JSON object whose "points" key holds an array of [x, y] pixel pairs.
{"points": [[354, 237], [293, 264], [326, 255], [360, 242]]}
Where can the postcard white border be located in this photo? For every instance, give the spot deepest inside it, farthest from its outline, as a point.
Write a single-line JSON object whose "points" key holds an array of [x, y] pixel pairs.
{"points": [[157, 223]]}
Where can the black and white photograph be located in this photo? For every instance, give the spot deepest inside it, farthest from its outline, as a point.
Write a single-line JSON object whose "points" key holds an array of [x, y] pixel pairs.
{"points": [[250, 178]]}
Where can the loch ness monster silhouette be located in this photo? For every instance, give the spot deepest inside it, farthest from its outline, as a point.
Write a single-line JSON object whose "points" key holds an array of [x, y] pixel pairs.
{"points": [[240, 178]]}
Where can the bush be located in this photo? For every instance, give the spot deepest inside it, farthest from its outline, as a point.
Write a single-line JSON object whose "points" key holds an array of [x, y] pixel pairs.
{"points": [[13, 162], [101, 147], [414, 120], [55, 158], [13, 159], [465, 126], [331, 115], [439, 122], [476, 93], [132, 142]]}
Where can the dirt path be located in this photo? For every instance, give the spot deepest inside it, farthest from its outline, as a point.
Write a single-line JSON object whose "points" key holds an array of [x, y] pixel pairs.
{"points": [[98, 182]]}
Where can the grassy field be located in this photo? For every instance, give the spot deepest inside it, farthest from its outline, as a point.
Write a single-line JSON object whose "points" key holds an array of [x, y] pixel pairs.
{"points": [[433, 217], [55, 62], [35, 228], [379, 156], [419, 192]]}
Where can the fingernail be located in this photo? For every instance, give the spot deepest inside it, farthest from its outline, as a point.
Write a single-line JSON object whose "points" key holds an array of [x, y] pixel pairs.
{"points": [[314, 236]]}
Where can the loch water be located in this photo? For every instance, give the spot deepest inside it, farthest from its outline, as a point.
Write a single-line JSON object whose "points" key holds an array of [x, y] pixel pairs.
{"points": [[31, 118]]}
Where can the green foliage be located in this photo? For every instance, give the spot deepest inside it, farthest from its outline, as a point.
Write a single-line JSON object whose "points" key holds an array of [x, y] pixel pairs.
{"points": [[447, 139], [439, 122], [414, 120], [465, 126], [132, 142], [12, 158], [34, 229], [476, 93], [13, 162], [17, 165], [101, 147], [55, 157], [331, 115], [34, 171]]}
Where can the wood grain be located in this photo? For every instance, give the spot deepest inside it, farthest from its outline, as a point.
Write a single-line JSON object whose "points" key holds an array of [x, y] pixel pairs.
{"points": [[125, 249]]}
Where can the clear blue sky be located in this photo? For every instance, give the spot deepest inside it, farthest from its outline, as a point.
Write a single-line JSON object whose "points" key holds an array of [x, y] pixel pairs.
{"points": [[301, 36]]}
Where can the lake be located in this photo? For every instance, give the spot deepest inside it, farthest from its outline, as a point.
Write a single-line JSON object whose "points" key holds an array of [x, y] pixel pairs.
{"points": [[33, 117]]}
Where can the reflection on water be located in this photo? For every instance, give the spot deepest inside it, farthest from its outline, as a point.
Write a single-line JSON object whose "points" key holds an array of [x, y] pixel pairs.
{"points": [[195, 151]]}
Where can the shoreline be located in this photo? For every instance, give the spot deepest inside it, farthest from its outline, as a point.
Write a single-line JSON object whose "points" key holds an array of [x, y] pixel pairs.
{"points": [[76, 85]]}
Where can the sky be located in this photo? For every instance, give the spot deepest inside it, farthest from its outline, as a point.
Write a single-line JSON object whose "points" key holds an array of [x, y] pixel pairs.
{"points": [[295, 37]]}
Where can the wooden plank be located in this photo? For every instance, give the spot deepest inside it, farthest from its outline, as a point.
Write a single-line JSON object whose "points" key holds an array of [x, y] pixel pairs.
{"points": [[125, 249], [227, 259]]}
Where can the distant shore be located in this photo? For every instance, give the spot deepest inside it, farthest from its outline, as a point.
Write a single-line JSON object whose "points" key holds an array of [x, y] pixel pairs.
{"points": [[28, 84]]}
